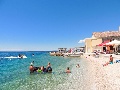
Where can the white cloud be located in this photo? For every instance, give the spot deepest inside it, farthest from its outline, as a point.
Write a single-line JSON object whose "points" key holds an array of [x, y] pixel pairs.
{"points": [[82, 41]]}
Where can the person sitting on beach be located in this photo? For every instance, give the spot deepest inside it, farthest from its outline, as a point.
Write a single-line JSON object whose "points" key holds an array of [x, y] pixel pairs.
{"points": [[68, 70], [110, 61], [78, 65], [31, 68]]}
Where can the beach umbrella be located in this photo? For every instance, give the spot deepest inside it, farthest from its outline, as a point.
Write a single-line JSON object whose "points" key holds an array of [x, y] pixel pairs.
{"points": [[116, 42], [103, 43], [100, 44]]}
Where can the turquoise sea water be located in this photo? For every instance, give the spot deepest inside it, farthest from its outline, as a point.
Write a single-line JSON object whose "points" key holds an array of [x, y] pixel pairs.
{"points": [[14, 73]]}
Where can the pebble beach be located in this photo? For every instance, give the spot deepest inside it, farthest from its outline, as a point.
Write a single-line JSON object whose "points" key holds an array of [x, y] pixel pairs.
{"points": [[95, 76]]}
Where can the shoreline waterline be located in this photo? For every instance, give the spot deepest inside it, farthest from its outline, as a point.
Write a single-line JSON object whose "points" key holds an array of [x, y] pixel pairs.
{"points": [[91, 75]]}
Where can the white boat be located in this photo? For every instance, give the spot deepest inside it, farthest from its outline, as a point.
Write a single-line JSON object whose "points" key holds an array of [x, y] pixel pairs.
{"points": [[77, 54], [74, 55], [15, 57]]}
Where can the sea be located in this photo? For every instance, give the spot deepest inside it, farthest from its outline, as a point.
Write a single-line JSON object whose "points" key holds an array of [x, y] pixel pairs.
{"points": [[15, 75]]}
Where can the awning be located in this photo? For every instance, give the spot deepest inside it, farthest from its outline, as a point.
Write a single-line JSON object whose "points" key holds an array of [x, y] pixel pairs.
{"points": [[103, 43]]}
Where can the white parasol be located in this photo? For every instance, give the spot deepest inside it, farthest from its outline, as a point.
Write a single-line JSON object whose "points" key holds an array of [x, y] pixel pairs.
{"points": [[115, 42]]}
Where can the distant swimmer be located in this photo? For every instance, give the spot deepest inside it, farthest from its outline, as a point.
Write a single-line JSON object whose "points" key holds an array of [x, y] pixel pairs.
{"points": [[32, 54], [78, 65], [68, 70], [32, 63]]}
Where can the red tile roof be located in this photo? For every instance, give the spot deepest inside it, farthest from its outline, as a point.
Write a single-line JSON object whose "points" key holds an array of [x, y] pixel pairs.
{"points": [[106, 34]]}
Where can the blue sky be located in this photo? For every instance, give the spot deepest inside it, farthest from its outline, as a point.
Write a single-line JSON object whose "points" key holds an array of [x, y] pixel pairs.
{"points": [[50, 24]]}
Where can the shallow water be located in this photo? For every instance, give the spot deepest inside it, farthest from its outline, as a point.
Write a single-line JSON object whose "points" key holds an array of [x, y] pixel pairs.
{"points": [[14, 73]]}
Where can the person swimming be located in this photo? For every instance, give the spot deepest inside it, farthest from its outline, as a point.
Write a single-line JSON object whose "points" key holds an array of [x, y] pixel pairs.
{"points": [[68, 70], [78, 65], [32, 54], [32, 63]]}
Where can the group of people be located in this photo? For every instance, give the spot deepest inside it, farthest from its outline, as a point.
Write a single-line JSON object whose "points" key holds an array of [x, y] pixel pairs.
{"points": [[41, 69]]}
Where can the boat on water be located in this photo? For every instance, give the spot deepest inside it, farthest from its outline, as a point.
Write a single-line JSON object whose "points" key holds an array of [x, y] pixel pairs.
{"points": [[74, 55], [23, 56], [74, 52]]}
